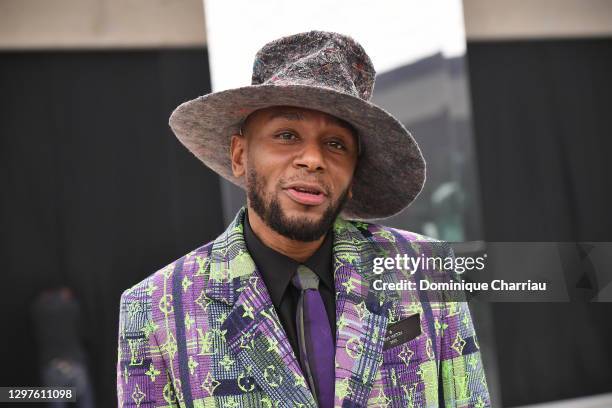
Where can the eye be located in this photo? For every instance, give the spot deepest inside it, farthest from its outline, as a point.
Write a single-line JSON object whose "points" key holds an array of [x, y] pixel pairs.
{"points": [[286, 136], [336, 144]]}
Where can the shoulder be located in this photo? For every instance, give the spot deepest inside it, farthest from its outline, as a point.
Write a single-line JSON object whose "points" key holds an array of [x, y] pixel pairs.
{"points": [[160, 282], [382, 232], [379, 234]]}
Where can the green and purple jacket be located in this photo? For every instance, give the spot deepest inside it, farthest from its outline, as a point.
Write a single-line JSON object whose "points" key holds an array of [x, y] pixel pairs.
{"points": [[203, 332]]}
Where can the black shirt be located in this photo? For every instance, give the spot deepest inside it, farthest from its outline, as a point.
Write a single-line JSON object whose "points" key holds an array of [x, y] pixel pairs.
{"points": [[277, 270]]}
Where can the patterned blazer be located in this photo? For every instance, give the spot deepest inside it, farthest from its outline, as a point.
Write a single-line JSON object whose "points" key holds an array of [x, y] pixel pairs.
{"points": [[203, 332]]}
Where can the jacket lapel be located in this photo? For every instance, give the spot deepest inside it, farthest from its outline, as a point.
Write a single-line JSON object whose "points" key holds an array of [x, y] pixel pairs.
{"points": [[252, 328], [361, 315], [254, 334]]}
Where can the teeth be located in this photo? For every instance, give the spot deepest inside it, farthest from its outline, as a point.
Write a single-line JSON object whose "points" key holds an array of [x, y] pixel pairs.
{"points": [[306, 191]]}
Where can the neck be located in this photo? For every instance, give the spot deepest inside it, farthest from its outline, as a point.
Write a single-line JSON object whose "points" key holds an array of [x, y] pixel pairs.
{"points": [[297, 250]]}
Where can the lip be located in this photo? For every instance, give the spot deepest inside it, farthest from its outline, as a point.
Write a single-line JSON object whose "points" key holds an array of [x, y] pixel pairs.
{"points": [[305, 198]]}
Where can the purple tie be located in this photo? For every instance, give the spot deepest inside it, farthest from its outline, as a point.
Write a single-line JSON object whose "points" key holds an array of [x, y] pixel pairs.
{"points": [[314, 337]]}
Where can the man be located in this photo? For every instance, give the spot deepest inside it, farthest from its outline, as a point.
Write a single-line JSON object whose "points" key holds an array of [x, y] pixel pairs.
{"points": [[280, 310]]}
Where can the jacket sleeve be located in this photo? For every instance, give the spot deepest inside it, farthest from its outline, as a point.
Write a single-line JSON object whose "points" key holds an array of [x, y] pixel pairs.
{"points": [[463, 381], [141, 374]]}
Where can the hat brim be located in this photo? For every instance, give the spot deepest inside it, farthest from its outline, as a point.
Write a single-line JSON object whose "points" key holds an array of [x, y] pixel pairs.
{"points": [[390, 172]]}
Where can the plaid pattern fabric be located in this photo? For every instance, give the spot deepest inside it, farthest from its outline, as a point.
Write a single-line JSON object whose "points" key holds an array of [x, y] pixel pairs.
{"points": [[203, 332]]}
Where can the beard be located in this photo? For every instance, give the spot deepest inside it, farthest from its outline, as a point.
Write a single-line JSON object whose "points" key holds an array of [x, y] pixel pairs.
{"points": [[295, 228]]}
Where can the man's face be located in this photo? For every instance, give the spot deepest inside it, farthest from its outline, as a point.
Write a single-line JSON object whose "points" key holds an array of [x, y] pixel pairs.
{"points": [[299, 165]]}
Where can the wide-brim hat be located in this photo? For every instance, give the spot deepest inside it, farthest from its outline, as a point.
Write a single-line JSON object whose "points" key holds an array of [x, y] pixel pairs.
{"points": [[324, 71]]}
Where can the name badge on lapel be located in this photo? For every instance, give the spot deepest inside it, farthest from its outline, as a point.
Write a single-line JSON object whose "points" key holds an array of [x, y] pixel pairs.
{"points": [[402, 331]]}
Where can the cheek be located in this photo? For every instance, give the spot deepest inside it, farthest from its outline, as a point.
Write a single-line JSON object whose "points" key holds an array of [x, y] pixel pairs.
{"points": [[343, 175], [267, 173]]}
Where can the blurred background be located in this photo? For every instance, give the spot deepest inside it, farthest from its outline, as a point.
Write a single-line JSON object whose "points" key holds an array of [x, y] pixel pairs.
{"points": [[510, 102]]}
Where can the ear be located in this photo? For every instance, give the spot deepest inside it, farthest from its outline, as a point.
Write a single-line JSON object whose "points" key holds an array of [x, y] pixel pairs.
{"points": [[350, 191], [237, 153]]}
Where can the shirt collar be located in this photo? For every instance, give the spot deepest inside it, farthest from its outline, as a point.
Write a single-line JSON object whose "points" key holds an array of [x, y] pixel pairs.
{"points": [[277, 269]]}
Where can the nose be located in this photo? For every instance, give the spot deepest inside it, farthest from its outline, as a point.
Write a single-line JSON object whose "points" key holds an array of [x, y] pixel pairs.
{"points": [[310, 157]]}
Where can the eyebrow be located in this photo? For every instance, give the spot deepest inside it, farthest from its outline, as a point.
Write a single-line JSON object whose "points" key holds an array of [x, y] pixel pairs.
{"points": [[289, 115], [294, 115]]}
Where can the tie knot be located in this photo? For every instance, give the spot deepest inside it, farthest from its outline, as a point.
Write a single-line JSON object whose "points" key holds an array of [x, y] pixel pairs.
{"points": [[305, 278]]}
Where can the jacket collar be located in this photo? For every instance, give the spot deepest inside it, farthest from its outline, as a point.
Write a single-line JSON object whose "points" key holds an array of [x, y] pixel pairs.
{"points": [[255, 335]]}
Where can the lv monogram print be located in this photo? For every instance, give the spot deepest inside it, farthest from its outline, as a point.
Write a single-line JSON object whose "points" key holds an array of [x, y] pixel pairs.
{"points": [[203, 332]]}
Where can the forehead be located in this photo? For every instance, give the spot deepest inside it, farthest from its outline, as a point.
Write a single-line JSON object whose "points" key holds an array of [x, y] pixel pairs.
{"points": [[292, 113]]}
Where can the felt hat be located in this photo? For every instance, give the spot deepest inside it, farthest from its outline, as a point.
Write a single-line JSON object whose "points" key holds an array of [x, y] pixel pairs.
{"points": [[324, 71]]}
